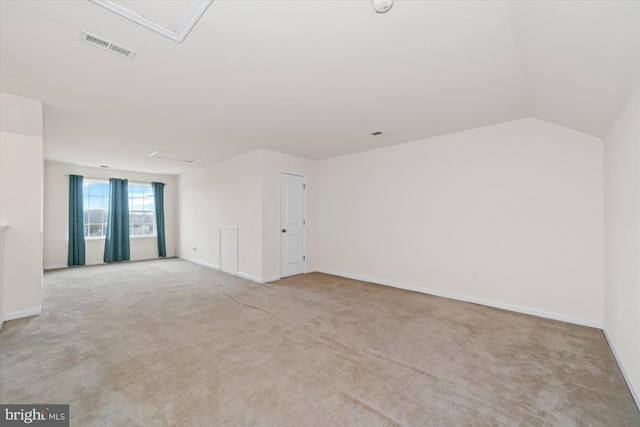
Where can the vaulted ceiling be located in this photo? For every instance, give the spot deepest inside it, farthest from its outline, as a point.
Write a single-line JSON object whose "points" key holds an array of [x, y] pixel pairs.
{"points": [[314, 78]]}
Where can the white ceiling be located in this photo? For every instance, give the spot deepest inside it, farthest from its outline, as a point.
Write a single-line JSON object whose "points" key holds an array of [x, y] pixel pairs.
{"points": [[168, 13], [314, 78]]}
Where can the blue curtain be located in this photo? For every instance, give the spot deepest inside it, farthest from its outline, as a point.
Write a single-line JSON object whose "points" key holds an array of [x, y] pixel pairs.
{"points": [[75, 252], [116, 244], [158, 198]]}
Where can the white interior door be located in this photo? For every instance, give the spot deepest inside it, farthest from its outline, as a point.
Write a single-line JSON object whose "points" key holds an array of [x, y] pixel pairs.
{"points": [[292, 225]]}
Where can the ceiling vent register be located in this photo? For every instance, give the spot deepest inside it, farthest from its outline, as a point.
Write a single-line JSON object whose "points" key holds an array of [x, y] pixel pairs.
{"points": [[101, 43]]}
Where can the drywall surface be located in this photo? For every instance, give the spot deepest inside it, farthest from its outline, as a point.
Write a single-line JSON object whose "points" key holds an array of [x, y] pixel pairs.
{"points": [[21, 158], [21, 209], [226, 194], [56, 214], [509, 215], [622, 240], [20, 115], [243, 192]]}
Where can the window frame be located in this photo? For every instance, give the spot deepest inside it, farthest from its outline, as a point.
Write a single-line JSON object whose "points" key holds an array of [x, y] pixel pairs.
{"points": [[145, 212], [147, 188], [86, 212]]}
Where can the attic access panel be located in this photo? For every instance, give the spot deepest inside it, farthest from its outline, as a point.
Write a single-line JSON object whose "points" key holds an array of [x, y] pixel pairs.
{"points": [[171, 18]]}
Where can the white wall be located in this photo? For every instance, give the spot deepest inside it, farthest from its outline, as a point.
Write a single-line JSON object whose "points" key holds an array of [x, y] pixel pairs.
{"points": [[20, 115], [243, 192], [228, 193], [519, 203], [56, 214], [622, 240], [21, 157]]}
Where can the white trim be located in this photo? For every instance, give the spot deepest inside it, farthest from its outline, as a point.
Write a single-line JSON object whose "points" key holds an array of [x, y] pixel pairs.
{"points": [[3, 228], [189, 21], [249, 277], [257, 279], [240, 274], [632, 387], [489, 303], [24, 313], [202, 263], [56, 267]]}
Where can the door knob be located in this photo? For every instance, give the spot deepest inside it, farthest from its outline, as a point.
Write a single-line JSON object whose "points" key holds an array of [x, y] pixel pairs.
{"points": [[284, 230]]}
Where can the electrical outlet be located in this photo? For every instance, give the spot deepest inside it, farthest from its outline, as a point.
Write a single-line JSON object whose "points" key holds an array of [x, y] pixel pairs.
{"points": [[476, 276], [195, 249]]}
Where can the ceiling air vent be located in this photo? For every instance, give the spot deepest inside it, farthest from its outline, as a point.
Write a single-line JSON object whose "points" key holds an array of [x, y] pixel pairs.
{"points": [[107, 45]]}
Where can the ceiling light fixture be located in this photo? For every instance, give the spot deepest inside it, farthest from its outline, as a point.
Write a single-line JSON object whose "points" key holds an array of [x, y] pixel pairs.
{"points": [[382, 6]]}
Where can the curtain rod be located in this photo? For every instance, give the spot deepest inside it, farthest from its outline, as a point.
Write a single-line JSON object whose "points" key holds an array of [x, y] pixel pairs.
{"points": [[102, 179]]}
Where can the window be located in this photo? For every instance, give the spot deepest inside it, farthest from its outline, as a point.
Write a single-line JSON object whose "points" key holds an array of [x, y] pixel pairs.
{"points": [[142, 221], [95, 205]]}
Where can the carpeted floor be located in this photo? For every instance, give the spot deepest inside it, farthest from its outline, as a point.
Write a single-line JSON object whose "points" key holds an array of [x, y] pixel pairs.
{"points": [[171, 343]]}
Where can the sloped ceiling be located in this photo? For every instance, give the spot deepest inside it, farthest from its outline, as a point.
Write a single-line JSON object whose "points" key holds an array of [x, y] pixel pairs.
{"points": [[314, 78]]}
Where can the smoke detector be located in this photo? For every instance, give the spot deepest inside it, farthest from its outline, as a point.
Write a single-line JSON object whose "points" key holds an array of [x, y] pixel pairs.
{"points": [[382, 6], [105, 44]]}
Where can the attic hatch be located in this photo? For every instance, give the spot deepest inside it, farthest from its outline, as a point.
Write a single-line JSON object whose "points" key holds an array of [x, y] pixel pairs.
{"points": [[171, 18], [180, 157]]}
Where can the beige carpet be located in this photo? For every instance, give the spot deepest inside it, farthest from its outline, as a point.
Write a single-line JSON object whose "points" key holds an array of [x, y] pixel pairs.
{"points": [[171, 343]]}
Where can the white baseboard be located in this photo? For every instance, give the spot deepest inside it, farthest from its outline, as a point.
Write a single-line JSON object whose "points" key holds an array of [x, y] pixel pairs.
{"points": [[56, 267], [257, 279], [249, 277], [202, 263], [632, 387], [239, 273], [24, 313], [510, 307]]}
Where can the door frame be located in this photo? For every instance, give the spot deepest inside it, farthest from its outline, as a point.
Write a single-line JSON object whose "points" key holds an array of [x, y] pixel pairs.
{"points": [[304, 214]]}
